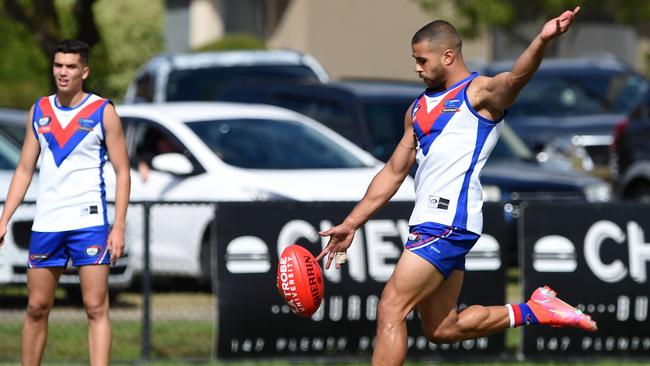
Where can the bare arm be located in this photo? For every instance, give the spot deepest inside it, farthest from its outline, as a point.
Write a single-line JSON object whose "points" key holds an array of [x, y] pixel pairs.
{"points": [[119, 158], [499, 93], [381, 189], [22, 176]]}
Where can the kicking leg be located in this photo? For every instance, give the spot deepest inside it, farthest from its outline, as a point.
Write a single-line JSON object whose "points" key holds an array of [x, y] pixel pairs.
{"points": [[442, 323], [41, 283], [94, 288], [413, 279]]}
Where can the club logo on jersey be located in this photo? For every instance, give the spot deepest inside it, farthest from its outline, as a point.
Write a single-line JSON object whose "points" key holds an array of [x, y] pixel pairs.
{"points": [[438, 202], [93, 250], [44, 124], [451, 106], [44, 121], [415, 237], [89, 210], [86, 124]]}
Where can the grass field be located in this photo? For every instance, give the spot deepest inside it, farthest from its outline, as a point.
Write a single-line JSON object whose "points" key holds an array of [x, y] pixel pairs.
{"points": [[183, 332], [324, 362], [182, 327]]}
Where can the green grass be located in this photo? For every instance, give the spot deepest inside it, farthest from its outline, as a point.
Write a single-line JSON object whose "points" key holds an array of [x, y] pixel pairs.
{"points": [[173, 337], [286, 363], [67, 341], [184, 342]]}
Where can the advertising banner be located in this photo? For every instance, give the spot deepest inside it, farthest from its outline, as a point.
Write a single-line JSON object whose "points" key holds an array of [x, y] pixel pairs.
{"points": [[596, 258], [254, 321]]}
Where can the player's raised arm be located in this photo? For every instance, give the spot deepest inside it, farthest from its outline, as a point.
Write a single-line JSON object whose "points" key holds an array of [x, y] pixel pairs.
{"points": [[499, 93], [382, 187]]}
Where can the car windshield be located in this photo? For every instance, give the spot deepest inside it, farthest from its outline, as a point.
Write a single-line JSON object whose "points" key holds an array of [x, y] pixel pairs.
{"points": [[577, 94], [272, 144], [385, 124], [9, 153], [209, 83]]}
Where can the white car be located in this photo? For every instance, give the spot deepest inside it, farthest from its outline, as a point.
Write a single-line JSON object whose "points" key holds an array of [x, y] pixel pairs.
{"points": [[209, 151]]}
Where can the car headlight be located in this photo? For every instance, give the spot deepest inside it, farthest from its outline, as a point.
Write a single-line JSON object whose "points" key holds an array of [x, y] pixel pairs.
{"points": [[567, 154], [491, 193], [599, 192], [264, 195]]}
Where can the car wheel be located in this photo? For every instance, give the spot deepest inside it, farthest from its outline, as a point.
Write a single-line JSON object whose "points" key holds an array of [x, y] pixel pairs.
{"points": [[641, 193], [205, 260]]}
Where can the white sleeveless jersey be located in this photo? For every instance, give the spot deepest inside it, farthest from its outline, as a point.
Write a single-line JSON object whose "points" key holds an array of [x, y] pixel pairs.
{"points": [[71, 190], [454, 142]]}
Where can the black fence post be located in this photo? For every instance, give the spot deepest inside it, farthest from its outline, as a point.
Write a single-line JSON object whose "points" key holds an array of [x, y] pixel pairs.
{"points": [[146, 286], [214, 282]]}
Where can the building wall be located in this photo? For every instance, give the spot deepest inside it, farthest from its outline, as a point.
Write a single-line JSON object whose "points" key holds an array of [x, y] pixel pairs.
{"points": [[371, 38], [584, 38], [361, 38], [176, 26], [206, 24]]}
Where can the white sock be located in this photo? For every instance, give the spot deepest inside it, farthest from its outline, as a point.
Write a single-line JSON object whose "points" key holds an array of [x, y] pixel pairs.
{"points": [[511, 315]]}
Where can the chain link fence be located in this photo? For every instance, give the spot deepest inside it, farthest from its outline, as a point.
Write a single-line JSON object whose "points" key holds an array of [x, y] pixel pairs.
{"points": [[162, 306]]}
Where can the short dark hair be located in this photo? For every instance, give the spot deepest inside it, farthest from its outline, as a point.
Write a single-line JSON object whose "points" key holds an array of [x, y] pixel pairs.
{"points": [[439, 32], [73, 46]]}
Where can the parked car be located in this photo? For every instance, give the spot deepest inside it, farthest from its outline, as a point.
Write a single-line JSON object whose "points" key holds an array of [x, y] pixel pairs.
{"points": [[566, 113], [210, 151], [13, 124], [13, 256], [630, 160], [202, 76], [370, 114]]}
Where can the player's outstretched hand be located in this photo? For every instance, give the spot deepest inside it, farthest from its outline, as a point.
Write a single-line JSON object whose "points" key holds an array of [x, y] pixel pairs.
{"points": [[559, 25], [116, 244], [340, 240]]}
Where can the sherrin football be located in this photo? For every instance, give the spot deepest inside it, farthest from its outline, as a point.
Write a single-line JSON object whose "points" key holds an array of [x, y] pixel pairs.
{"points": [[300, 280]]}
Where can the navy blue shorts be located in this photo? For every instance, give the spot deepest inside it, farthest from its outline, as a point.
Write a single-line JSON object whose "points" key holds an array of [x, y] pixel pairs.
{"points": [[54, 249], [443, 246]]}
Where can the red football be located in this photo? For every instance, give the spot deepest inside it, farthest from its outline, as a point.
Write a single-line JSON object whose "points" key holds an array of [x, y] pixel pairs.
{"points": [[300, 280]]}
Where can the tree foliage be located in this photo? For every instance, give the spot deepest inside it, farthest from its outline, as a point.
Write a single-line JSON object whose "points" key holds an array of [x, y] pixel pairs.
{"points": [[132, 32], [122, 35], [235, 41], [24, 70], [476, 16]]}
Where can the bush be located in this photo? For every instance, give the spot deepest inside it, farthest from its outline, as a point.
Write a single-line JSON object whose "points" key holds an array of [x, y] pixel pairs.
{"points": [[242, 41]]}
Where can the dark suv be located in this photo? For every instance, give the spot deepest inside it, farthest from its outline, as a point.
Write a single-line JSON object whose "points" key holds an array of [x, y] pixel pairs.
{"points": [[202, 76], [631, 154], [12, 124], [371, 114], [570, 107]]}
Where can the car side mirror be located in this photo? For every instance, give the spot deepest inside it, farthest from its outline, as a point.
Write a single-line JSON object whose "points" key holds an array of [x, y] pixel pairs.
{"points": [[173, 163]]}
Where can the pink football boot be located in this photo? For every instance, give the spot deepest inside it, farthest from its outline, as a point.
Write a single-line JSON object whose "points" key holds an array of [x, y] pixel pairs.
{"points": [[550, 310]]}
